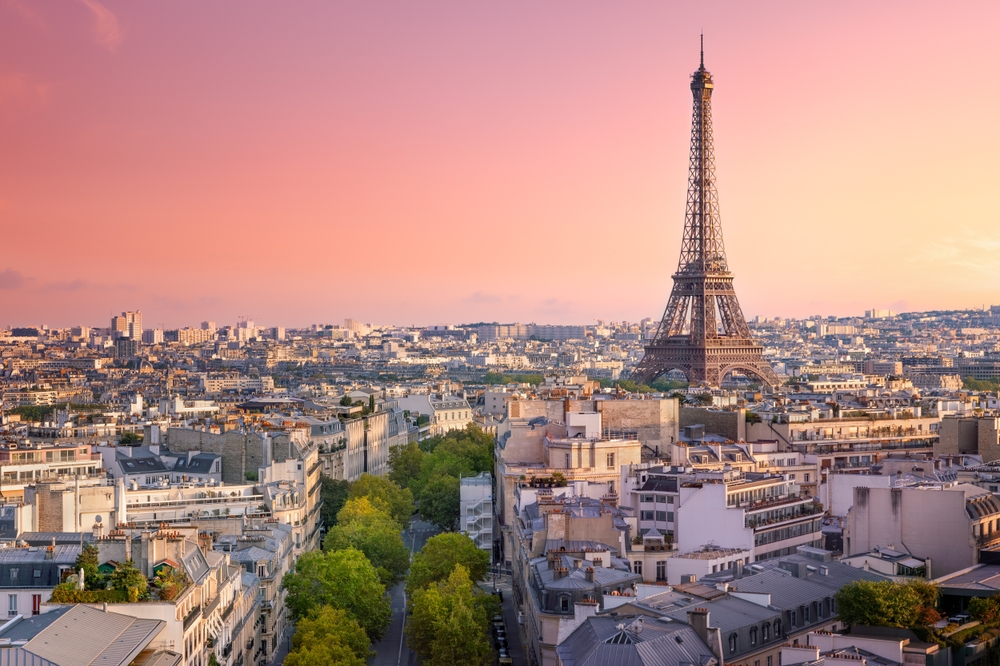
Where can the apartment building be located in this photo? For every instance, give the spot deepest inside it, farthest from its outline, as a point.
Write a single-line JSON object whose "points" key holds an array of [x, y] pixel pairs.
{"points": [[762, 513], [947, 524], [537, 452], [476, 510]]}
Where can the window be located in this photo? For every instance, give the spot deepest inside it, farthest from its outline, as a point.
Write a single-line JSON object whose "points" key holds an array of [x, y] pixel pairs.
{"points": [[753, 636], [661, 516], [807, 478], [36, 604], [37, 573], [768, 660], [732, 642], [645, 515], [261, 570], [670, 499], [661, 570], [646, 498], [11, 605], [805, 614], [568, 460], [13, 574], [637, 567], [564, 603], [660, 499], [611, 460], [670, 516], [765, 631]]}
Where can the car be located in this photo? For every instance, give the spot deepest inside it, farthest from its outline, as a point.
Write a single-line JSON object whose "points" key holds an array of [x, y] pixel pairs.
{"points": [[497, 618], [961, 618]]}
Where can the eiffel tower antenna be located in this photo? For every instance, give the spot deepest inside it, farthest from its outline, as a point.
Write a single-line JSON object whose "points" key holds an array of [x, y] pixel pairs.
{"points": [[703, 332]]}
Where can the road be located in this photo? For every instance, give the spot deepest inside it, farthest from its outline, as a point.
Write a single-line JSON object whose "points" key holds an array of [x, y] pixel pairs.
{"points": [[392, 650]]}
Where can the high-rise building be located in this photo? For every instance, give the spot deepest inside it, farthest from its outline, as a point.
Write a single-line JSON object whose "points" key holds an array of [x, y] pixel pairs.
{"points": [[127, 325], [703, 332]]}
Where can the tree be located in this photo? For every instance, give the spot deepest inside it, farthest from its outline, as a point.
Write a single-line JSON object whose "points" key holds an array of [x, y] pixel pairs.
{"points": [[396, 501], [329, 636], [127, 578], [985, 609], [886, 604], [374, 533], [334, 494], [405, 463], [342, 579], [449, 622], [440, 502], [346, 401], [437, 559], [88, 561]]}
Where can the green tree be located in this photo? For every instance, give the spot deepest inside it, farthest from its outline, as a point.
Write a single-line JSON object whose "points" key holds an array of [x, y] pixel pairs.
{"points": [[88, 561], [885, 604], [449, 622], [405, 463], [334, 494], [127, 578], [326, 636], [439, 556], [440, 502], [985, 609], [396, 501], [374, 533], [346, 401], [343, 579]]}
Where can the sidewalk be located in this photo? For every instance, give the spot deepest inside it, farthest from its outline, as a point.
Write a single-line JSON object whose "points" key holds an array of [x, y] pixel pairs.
{"points": [[518, 655], [284, 643]]}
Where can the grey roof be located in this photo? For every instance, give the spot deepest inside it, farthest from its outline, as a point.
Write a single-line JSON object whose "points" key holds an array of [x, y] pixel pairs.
{"points": [[789, 592], [81, 634], [199, 464], [64, 538], [982, 578], [729, 613], [195, 563], [604, 641], [142, 461]]}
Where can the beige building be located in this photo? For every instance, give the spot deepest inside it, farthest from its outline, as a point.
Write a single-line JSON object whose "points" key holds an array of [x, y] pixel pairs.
{"points": [[976, 435], [534, 453], [946, 524]]}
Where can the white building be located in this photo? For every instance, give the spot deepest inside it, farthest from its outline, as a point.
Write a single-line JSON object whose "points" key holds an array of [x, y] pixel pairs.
{"points": [[476, 517]]}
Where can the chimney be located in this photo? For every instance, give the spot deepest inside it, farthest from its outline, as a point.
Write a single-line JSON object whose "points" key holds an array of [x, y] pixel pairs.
{"points": [[589, 573], [560, 572], [698, 619]]}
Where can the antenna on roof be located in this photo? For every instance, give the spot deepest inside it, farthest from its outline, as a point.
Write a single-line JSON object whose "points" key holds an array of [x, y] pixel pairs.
{"points": [[703, 49]]}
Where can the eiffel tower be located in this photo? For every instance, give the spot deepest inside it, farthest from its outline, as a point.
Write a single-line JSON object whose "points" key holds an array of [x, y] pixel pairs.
{"points": [[703, 332]]}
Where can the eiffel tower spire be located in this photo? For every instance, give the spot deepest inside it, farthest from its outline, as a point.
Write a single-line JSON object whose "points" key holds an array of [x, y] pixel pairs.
{"points": [[703, 332]]}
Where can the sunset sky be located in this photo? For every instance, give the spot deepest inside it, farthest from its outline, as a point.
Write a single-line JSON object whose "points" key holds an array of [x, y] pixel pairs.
{"points": [[446, 162]]}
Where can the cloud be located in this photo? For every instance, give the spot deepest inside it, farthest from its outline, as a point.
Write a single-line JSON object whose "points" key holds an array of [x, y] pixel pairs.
{"points": [[12, 279], [27, 13], [69, 285], [19, 90], [107, 31], [482, 297]]}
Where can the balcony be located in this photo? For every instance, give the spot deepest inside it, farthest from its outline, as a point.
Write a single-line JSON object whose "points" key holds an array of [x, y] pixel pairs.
{"points": [[780, 516]]}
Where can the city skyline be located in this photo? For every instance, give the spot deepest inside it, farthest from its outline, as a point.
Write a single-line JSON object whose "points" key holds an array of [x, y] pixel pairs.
{"points": [[305, 164]]}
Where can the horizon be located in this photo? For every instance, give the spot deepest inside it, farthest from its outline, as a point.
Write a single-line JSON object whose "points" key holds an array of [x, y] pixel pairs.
{"points": [[450, 162]]}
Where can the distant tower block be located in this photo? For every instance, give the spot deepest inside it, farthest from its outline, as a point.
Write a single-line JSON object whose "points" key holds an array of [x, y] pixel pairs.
{"points": [[703, 332]]}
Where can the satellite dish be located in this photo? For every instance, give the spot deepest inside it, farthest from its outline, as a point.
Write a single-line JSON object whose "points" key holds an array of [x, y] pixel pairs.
{"points": [[98, 519]]}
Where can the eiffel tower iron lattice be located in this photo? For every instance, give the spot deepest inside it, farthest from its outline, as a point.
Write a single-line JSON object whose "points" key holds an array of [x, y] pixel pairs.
{"points": [[703, 332]]}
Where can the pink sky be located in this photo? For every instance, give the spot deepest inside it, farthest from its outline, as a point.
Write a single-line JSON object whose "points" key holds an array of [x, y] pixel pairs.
{"points": [[446, 162]]}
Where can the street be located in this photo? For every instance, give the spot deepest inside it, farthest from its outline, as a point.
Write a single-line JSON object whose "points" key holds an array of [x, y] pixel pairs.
{"points": [[392, 650]]}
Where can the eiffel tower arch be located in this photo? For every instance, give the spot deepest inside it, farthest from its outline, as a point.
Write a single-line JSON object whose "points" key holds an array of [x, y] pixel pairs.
{"points": [[703, 332]]}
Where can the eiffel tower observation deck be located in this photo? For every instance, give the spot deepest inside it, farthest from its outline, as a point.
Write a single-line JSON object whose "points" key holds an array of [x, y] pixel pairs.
{"points": [[703, 332]]}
